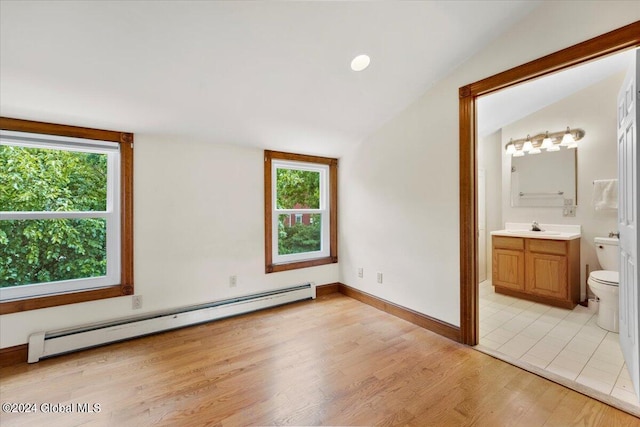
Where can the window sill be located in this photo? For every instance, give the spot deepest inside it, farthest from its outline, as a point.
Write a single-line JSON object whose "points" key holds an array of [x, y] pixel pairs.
{"points": [[274, 268], [27, 304]]}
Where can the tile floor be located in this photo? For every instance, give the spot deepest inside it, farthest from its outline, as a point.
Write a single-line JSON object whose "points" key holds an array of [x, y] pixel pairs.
{"points": [[568, 343]]}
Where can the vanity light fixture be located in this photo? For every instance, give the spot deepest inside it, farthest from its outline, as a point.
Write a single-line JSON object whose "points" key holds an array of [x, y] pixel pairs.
{"points": [[568, 138], [528, 146], [554, 147], [544, 141], [547, 142], [533, 149]]}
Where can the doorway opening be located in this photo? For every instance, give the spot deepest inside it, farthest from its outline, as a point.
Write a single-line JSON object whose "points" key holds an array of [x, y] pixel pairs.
{"points": [[607, 44]]}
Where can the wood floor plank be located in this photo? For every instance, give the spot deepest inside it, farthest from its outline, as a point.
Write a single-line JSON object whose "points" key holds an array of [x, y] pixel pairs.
{"points": [[332, 361]]}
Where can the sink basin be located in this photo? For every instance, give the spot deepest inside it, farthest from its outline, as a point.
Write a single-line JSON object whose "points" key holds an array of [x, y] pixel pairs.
{"points": [[534, 233]]}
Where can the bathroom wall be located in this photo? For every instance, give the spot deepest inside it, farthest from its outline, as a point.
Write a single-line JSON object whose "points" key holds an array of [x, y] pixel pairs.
{"points": [[594, 110], [490, 160]]}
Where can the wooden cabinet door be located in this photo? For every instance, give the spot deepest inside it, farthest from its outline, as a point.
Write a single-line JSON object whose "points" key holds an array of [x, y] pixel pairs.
{"points": [[546, 275], [508, 268]]}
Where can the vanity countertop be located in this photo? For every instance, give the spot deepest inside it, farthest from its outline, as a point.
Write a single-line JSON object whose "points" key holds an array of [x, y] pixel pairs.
{"points": [[550, 231]]}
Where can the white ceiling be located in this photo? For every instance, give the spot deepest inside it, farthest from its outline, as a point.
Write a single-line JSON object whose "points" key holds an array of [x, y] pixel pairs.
{"points": [[265, 74]]}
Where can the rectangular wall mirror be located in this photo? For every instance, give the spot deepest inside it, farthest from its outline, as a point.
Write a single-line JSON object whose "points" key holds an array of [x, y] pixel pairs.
{"points": [[547, 179]]}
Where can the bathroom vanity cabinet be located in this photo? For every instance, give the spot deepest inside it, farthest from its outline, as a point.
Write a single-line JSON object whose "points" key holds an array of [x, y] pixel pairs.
{"points": [[541, 270]]}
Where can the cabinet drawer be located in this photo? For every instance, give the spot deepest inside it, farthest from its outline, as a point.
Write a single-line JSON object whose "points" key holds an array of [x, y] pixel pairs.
{"points": [[514, 243], [556, 247]]}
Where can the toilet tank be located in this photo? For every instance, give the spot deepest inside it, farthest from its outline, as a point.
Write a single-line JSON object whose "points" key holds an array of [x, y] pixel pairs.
{"points": [[608, 254]]}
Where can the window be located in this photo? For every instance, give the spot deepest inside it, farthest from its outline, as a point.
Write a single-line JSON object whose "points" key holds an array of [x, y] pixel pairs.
{"points": [[65, 215], [300, 211]]}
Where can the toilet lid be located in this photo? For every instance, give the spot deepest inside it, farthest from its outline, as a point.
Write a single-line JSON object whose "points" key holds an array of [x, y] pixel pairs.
{"points": [[605, 276]]}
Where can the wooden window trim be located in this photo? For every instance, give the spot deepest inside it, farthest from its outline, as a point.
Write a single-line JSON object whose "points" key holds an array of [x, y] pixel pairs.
{"points": [[270, 267], [126, 215], [615, 41]]}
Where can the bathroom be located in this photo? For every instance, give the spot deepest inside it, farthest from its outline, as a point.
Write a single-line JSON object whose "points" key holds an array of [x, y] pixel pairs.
{"points": [[570, 346]]}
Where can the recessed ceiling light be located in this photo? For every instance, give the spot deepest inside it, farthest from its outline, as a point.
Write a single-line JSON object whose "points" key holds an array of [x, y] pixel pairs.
{"points": [[360, 62]]}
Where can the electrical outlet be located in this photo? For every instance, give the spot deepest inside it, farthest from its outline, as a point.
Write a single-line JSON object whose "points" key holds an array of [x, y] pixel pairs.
{"points": [[569, 211], [361, 272], [233, 281], [136, 302], [379, 277]]}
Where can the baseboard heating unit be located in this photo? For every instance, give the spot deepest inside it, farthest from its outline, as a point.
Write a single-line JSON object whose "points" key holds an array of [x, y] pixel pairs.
{"points": [[47, 344]]}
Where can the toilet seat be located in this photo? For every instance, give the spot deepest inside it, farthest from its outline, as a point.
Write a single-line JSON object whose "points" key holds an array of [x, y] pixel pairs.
{"points": [[605, 277]]}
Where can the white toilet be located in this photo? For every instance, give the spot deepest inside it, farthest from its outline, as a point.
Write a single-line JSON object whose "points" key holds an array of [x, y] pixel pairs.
{"points": [[604, 283]]}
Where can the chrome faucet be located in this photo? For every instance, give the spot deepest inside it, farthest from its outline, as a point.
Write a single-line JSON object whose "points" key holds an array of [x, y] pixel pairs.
{"points": [[535, 226], [616, 234]]}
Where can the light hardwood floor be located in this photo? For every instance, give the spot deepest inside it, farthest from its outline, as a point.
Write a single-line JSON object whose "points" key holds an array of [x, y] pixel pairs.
{"points": [[333, 361]]}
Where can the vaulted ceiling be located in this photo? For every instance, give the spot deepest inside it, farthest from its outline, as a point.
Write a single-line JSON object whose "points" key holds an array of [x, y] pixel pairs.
{"points": [[264, 74], [512, 104]]}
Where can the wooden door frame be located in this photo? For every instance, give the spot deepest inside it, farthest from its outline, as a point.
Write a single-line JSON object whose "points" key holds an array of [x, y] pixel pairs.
{"points": [[609, 43]]}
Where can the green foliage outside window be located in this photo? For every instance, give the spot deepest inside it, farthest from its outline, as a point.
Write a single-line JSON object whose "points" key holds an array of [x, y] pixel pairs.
{"points": [[45, 250], [298, 189], [299, 238]]}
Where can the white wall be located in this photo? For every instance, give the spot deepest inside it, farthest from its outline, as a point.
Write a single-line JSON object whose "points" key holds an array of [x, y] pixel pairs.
{"points": [[594, 110], [198, 219], [490, 159], [399, 188]]}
